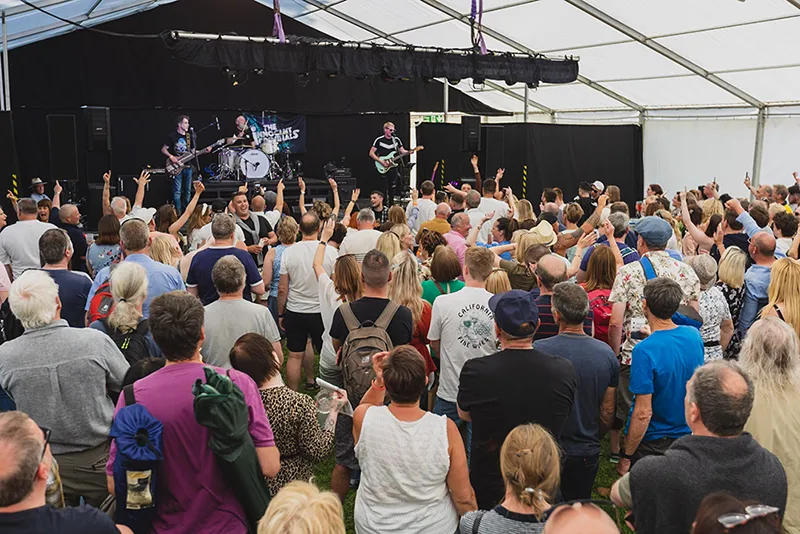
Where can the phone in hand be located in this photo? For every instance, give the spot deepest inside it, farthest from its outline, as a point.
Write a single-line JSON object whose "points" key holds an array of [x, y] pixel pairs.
{"points": [[637, 323]]}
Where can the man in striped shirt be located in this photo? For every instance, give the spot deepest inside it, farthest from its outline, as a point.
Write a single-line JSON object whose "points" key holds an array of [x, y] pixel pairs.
{"points": [[621, 223], [550, 271]]}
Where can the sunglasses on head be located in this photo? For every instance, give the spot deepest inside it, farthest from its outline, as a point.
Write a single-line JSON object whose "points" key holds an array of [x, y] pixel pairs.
{"points": [[754, 511]]}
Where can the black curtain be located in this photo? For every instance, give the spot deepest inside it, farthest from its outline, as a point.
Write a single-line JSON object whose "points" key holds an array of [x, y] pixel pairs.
{"points": [[536, 156]]}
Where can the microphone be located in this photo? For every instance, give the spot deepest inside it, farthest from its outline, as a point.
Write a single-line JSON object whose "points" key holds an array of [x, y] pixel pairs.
{"points": [[216, 120]]}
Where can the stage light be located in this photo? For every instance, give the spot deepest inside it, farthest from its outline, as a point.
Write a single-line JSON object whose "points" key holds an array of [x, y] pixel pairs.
{"points": [[452, 81]]}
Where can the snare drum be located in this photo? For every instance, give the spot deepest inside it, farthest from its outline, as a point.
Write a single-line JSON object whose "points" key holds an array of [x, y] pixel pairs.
{"points": [[253, 164], [269, 146]]}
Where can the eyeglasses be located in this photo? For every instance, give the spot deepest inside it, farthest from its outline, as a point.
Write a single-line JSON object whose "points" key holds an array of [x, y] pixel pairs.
{"points": [[755, 511], [46, 432]]}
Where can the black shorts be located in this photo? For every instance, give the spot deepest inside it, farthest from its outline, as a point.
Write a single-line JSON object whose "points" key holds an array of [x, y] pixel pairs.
{"points": [[299, 327], [345, 443]]}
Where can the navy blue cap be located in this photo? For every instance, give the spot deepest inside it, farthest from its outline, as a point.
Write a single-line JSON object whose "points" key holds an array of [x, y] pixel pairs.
{"points": [[654, 230], [515, 312]]}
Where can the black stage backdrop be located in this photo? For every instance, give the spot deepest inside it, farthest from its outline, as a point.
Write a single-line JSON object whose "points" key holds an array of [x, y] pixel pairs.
{"points": [[556, 155]]}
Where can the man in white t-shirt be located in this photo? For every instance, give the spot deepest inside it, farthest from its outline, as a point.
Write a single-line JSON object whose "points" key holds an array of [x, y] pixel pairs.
{"points": [[203, 234], [361, 242], [426, 205], [298, 301], [473, 203], [462, 328], [490, 204], [19, 243]]}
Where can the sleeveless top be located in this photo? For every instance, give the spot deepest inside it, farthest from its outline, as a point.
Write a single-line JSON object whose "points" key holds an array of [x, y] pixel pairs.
{"points": [[404, 466], [276, 270]]}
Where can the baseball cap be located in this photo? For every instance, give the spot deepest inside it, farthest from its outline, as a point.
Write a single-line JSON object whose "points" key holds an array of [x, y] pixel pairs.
{"points": [[143, 214], [219, 206], [515, 312], [599, 186], [654, 230]]}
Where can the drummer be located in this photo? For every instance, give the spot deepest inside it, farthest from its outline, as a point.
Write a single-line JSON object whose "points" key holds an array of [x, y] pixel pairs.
{"points": [[243, 136]]}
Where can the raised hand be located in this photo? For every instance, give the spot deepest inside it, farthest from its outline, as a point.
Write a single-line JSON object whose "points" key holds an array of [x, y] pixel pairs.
{"points": [[608, 230], [500, 172], [281, 186], [199, 187], [602, 200], [143, 179], [734, 205], [57, 188], [333, 184], [377, 364], [327, 229], [796, 177], [243, 188], [747, 181], [587, 240], [414, 194], [474, 160], [107, 177], [11, 196], [487, 217], [302, 185], [682, 195]]}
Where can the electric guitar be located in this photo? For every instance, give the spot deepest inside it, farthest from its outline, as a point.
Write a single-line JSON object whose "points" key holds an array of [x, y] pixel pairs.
{"points": [[174, 168], [394, 158]]}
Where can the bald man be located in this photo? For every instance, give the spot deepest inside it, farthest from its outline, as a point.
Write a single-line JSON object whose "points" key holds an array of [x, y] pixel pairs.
{"points": [[439, 222], [68, 217], [551, 270], [243, 137], [579, 518], [756, 279]]}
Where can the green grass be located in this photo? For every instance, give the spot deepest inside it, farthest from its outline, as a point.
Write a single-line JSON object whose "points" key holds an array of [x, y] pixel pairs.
{"points": [[606, 476]]}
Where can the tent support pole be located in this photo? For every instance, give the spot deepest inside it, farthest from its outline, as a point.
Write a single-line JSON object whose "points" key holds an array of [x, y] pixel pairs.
{"points": [[6, 83], [525, 106], [446, 99], [759, 148]]}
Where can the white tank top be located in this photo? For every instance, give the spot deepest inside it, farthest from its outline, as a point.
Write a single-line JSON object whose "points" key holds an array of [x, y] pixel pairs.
{"points": [[404, 468]]}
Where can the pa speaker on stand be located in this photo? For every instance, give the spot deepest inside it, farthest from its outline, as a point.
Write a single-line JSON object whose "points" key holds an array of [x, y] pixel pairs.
{"points": [[470, 134]]}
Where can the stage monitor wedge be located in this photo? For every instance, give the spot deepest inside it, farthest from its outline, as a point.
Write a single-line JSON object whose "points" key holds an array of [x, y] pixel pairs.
{"points": [[470, 133]]}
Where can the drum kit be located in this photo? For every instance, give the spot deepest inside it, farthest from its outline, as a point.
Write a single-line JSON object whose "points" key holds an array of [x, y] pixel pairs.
{"points": [[266, 162]]}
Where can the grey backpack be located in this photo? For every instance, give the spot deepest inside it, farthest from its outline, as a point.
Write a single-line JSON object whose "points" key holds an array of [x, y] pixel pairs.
{"points": [[363, 341]]}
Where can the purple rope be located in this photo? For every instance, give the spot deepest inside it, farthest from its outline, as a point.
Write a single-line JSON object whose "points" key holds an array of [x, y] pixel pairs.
{"points": [[481, 41], [277, 27]]}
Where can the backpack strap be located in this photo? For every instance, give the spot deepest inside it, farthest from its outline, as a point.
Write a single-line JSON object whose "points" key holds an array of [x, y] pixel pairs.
{"points": [[143, 327], [476, 525], [387, 315], [130, 398], [349, 317], [647, 266]]}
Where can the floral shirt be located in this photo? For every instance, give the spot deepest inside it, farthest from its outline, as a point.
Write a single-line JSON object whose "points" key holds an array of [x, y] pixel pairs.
{"points": [[629, 288], [713, 309], [734, 296], [100, 256]]}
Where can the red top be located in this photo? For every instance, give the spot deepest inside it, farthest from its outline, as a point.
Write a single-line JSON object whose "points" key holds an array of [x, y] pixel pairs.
{"points": [[420, 338]]}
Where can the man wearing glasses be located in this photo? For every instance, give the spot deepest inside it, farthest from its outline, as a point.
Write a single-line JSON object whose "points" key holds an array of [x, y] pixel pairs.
{"points": [[24, 471], [383, 146]]}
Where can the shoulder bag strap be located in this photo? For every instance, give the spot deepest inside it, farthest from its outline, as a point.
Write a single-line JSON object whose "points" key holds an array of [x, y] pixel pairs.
{"points": [[647, 266], [130, 398], [476, 525], [441, 290], [387, 315], [143, 327], [349, 317]]}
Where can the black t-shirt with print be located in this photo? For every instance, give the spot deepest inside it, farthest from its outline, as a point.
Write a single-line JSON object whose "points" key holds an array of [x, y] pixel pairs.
{"points": [[178, 144], [384, 146], [369, 309], [80, 520], [246, 140], [503, 391]]}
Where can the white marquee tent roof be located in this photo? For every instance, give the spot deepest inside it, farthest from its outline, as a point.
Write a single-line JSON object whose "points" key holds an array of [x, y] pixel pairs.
{"points": [[635, 55]]}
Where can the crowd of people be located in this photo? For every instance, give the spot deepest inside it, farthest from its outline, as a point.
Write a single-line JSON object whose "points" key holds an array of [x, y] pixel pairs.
{"points": [[479, 351]]}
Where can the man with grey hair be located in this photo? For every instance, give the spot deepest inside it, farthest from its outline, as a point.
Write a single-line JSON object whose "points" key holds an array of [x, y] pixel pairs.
{"points": [[473, 202], [665, 491], [361, 242], [457, 236], [24, 473], [230, 316], [19, 242], [67, 380], [134, 238], [439, 222], [597, 369], [199, 280], [621, 223], [56, 251], [551, 270], [68, 217]]}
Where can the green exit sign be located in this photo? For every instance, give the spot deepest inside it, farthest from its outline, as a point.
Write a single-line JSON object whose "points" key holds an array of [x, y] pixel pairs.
{"points": [[438, 117]]}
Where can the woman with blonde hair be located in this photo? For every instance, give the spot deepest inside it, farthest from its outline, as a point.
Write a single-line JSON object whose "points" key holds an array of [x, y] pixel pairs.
{"points": [[771, 356], [524, 211], [403, 233], [301, 508], [343, 286], [530, 465], [497, 281], [730, 274], [389, 244], [674, 242], [129, 290], [286, 231], [397, 215], [162, 250], [712, 206], [784, 293], [405, 289]]}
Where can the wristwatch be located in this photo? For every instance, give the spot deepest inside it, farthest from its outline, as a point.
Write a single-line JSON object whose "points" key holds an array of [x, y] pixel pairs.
{"points": [[323, 243], [625, 456]]}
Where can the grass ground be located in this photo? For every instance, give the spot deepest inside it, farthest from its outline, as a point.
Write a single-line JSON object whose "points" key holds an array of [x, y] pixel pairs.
{"points": [[322, 473]]}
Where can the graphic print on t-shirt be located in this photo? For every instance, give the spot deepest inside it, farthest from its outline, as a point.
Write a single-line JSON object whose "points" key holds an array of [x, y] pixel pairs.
{"points": [[476, 326]]}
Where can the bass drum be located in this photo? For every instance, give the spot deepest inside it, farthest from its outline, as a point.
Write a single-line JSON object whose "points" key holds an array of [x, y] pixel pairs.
{"points": [[253, 164]]}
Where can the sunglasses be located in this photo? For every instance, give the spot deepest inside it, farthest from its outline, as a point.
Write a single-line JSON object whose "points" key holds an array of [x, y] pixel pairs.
{"points": [[755, 511]]}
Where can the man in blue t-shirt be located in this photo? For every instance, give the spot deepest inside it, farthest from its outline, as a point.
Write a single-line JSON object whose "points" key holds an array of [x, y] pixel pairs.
{"points": [[621, 224], [199, 281], [597, 371], [55, 249], [662, 365]]}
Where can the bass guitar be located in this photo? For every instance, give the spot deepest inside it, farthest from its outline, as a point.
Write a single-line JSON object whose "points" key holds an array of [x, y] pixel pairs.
{"points": [[174, 168], [394, 159]]}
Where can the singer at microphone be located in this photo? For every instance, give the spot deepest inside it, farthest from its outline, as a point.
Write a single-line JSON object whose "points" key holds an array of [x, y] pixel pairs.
{"points": [[243, 136]]}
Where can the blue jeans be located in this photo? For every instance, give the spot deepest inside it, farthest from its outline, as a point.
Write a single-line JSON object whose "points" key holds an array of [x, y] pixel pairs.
{"points": [[182, 189], [6, 404], [450, 409]]}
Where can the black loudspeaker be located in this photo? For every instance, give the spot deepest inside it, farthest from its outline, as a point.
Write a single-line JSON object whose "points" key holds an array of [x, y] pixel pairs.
{"points": [[470, 133], [63, 141], [93, 208], [492, 148], [98, 128]]}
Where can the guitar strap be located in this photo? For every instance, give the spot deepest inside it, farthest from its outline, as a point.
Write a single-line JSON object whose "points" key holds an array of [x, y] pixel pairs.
{"points": [[254, 232]]}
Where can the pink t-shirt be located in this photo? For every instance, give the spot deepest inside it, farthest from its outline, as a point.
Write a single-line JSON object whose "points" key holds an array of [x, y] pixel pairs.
{"points": [[193, 496], [457, 242]]}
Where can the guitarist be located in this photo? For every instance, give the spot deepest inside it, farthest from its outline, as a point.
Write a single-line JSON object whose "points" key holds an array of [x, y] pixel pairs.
{"points": [[179, 143], [383, 146]]}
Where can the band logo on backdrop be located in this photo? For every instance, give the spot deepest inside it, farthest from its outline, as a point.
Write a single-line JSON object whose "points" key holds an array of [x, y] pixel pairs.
{"points": [[279, 133]]}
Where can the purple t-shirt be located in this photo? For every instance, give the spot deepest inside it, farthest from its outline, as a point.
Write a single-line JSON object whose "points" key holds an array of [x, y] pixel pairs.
{"points": [[193, 496]]}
